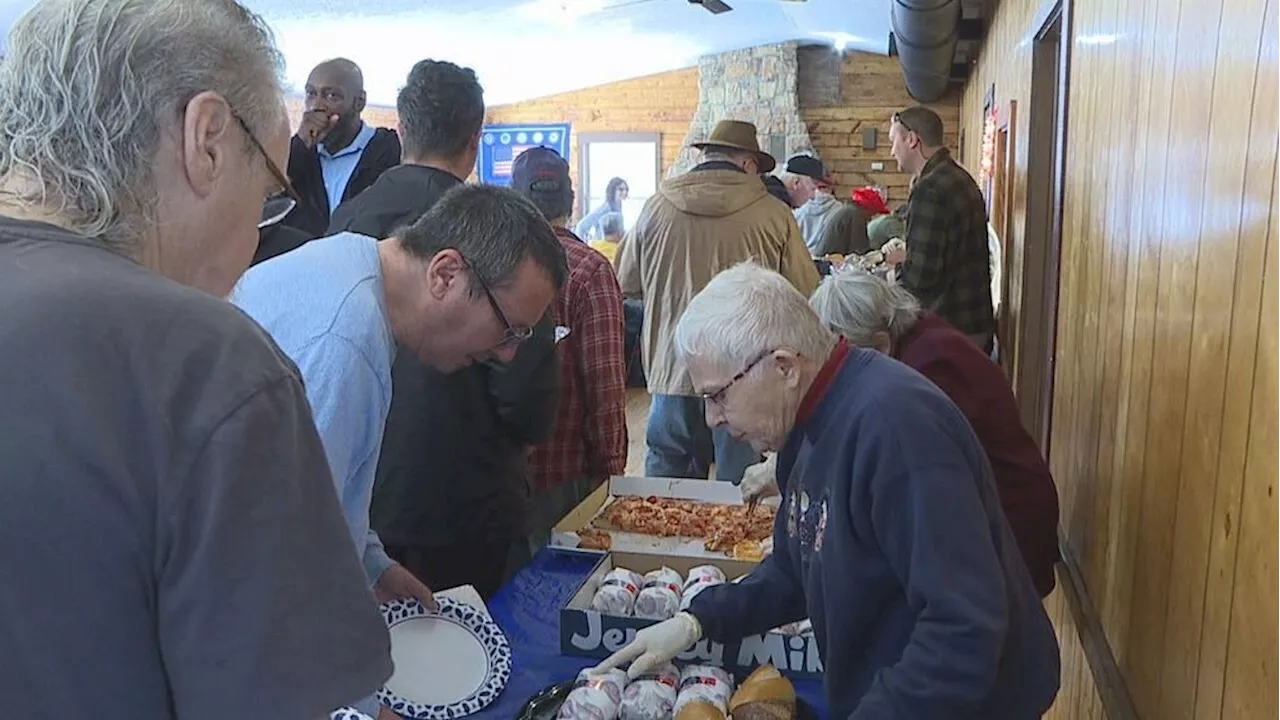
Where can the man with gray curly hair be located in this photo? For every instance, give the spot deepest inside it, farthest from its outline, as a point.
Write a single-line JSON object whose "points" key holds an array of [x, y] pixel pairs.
{"points": [[889, 535], [171, 542]]}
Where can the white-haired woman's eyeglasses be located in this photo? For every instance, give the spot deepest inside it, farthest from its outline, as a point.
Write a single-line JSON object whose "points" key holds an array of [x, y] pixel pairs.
{"points": [[717, 396]]}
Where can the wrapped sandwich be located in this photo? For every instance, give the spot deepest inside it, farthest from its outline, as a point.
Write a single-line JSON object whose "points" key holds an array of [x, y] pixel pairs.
{"points": [[659, 597], [764, 695], [704, 573], [596, 697], [617, 592], [700, 578], [704, 693], [651, 696]]}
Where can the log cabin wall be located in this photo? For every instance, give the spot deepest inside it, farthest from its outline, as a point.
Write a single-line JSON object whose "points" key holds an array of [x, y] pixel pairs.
{"points": [[1163, 438]]}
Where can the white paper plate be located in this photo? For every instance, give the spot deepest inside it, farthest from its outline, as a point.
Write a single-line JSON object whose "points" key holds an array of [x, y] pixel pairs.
{"points": [[348, 714], [447, 665]]}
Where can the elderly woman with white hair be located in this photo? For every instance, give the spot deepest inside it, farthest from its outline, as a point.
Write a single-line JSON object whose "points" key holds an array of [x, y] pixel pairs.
{"points": [[889, 537], [871, 312]]}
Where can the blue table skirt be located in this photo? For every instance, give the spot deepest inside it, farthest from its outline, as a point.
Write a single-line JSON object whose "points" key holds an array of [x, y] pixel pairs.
{"points": [[528, 610]]}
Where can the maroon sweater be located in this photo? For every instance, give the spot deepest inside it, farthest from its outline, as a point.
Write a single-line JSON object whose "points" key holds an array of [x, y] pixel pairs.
{"points": [[979, 387]]}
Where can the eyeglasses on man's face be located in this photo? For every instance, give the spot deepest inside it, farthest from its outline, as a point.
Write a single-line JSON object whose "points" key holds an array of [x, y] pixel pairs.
{"points": [[511, 335], [275, 207], [718, 396]]}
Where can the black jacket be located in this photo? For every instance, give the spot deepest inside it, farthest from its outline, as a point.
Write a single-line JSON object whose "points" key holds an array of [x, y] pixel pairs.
{"points": [[396, 199], [312, 214], [777, 189], [453, 464], [279, 239]]}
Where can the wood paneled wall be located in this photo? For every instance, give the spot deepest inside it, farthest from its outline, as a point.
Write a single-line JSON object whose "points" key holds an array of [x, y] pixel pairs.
{"points": [[1164, 429], [871, 91], [662, 103]]}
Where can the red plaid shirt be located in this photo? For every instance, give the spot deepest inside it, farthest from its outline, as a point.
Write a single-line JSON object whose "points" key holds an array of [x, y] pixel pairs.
{"points": [[590, 436]]}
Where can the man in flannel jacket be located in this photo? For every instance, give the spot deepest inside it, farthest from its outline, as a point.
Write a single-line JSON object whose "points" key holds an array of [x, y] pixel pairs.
{"points": [[948, 262]]}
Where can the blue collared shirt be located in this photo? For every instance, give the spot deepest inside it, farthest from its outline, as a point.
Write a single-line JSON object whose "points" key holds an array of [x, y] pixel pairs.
{"points": [[339, 167], [343, 346]]}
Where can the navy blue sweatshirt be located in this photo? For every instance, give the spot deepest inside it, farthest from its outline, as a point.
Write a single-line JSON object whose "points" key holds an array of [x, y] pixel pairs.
{"points": [[890, 537]]}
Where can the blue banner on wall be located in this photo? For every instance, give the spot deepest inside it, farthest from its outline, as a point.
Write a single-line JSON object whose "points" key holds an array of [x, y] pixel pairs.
{"points": [[501, 144]]}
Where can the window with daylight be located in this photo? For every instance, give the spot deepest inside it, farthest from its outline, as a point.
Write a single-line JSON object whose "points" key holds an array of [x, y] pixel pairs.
{"points": [[634, 157]]}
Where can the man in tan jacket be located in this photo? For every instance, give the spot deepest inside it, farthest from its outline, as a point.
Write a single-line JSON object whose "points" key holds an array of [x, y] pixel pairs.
{"points": [[707, 220]]}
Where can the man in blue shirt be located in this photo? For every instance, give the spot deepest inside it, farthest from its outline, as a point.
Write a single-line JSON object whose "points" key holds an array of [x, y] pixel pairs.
{"points": [[890, 536], [464, 284], [335, 155]]}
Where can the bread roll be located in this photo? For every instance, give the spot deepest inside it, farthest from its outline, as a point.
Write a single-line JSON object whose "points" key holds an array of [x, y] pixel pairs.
{"points": [[699, 710], [764, 695]]}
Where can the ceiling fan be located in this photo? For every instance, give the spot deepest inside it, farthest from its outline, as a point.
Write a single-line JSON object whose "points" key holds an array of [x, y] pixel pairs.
{"points": [[715, 7]]}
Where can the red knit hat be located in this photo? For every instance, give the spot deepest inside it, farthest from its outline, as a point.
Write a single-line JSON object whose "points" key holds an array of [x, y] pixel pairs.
{"points": [[870, 199]]}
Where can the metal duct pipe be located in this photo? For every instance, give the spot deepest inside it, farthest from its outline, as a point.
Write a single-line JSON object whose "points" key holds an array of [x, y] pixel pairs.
{"points": [[926, 33]]}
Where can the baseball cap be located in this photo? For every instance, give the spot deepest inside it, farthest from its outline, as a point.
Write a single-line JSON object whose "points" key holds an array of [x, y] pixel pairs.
{"points": [[808, 166], [541, 175]]}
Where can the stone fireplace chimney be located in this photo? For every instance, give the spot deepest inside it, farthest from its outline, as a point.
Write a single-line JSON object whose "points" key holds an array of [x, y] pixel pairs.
{"points": [[758, 85]]}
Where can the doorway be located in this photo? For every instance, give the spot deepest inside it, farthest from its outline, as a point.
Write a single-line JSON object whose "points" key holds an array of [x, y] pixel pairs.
{"points": [[1047, 128], [635, 158]]}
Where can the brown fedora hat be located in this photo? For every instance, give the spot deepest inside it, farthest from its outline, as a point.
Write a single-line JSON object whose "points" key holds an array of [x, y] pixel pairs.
{"points": [[738, 135]]}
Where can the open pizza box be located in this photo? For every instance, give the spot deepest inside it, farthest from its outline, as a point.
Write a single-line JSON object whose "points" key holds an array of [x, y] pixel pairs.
{"points": [[565, 533], [588, 633]]}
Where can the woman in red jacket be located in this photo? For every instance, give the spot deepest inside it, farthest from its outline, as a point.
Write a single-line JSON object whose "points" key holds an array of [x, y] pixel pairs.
{"points": [[871, 312]]}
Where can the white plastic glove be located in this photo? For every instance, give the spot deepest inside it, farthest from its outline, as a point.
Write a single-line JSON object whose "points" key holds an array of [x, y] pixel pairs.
{"points": [[760, 481], [655, 646]]}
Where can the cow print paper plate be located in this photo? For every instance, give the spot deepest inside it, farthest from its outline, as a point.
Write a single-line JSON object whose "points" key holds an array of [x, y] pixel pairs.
{"points": [[448, 664]]}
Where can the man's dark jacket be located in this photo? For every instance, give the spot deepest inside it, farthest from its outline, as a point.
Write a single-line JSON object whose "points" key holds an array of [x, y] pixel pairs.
{"points": [[402, 195], [453, 463], [312, 214]]}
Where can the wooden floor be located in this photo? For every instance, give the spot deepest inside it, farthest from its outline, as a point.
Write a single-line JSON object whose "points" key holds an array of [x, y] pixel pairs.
{"points": [[637, 417]]}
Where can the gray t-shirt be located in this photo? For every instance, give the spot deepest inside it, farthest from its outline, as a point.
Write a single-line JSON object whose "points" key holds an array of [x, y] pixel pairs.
{"points": [[170, 541]]}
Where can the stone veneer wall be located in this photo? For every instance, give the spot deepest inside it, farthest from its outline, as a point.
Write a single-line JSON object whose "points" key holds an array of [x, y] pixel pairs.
{"points": [[758, 85]]}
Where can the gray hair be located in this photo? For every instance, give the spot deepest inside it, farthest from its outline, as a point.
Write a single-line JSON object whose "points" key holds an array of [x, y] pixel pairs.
{"points": [[90, 86], [493, 228], [745, 312], [857, 304], [720, 153]]}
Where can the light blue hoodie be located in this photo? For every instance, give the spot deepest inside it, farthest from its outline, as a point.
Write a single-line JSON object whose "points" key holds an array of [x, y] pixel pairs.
{"points": [[813, 215]]}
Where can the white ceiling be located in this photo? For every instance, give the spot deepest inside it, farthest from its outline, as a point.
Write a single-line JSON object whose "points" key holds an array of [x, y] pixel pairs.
{"points": [[528, 48]]}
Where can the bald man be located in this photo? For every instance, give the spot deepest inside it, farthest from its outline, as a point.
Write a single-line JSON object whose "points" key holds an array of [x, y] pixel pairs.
{"points": [[335, 155]]}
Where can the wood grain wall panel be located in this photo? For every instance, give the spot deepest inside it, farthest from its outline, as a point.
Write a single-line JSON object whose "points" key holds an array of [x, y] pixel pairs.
{"points": [[871, 91], [1175, 308], [1221, 204], [1152, 112], [1256, 228], [1251, 688], [1164, 429], [662, 103]]}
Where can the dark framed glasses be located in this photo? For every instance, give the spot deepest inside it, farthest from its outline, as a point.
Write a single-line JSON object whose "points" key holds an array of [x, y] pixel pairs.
{"points": [[274, 209], [278, 174], [897, 118], [511, 335], [717, 396]]}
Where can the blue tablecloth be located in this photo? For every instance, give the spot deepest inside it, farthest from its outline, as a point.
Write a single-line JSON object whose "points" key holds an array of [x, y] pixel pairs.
{"points": [[528, 610]]}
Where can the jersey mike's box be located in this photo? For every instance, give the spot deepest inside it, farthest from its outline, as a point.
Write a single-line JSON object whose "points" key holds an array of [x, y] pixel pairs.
{"points": [[704, 519], [589, 632]]}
